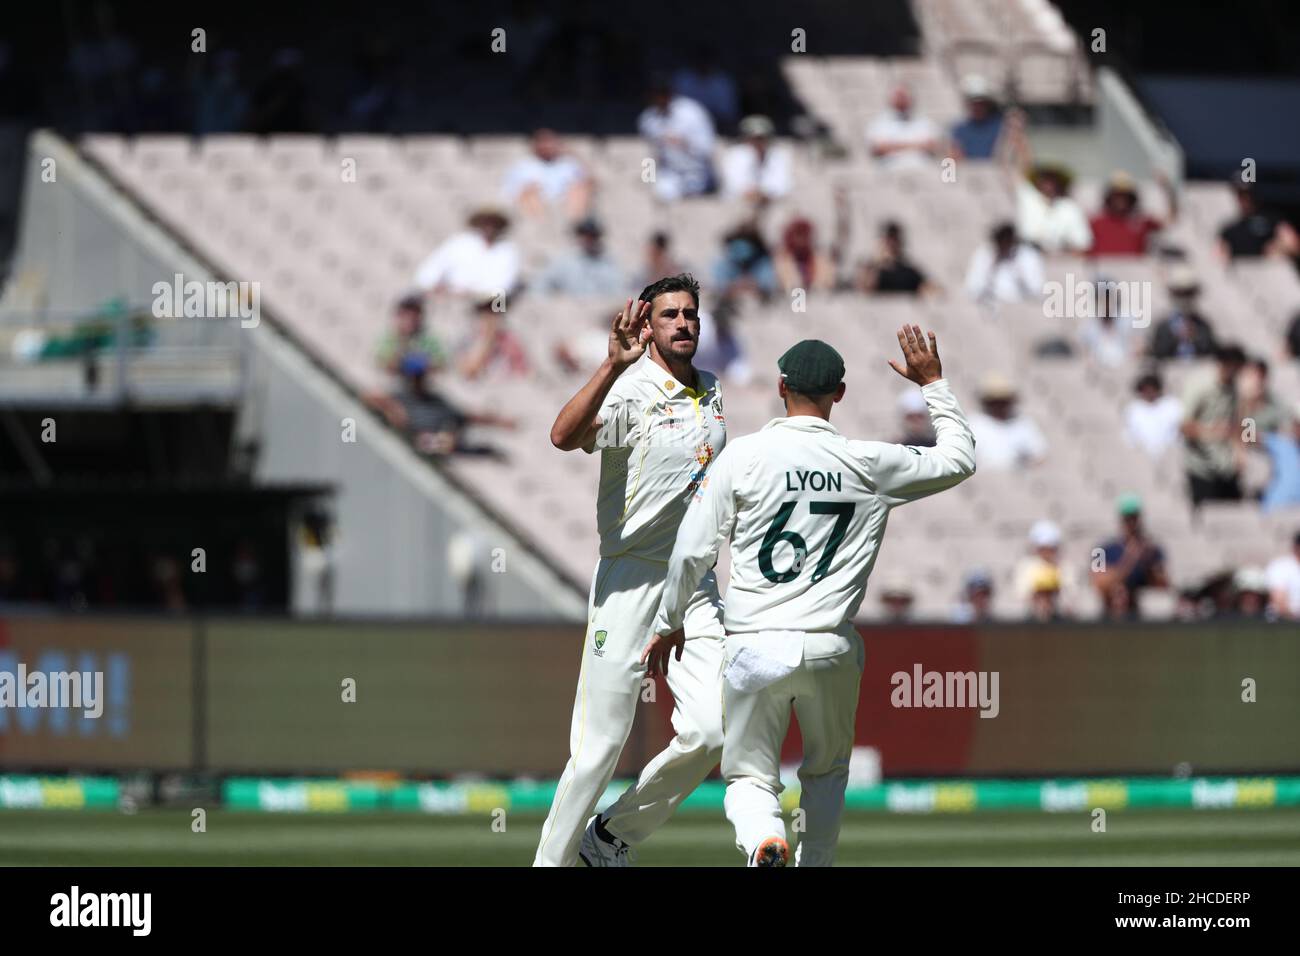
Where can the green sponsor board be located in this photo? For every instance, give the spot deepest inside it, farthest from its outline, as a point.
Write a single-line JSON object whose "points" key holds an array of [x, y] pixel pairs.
{"points": [[925, 797], [57, 793]]}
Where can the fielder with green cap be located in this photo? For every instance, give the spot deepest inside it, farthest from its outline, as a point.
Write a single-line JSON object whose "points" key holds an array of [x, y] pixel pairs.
{"points": [[805, 508]]}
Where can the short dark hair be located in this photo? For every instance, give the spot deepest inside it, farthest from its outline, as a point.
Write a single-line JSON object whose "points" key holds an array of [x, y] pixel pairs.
{"points": [[1230, 352], [684, 282], [1148, 378]]}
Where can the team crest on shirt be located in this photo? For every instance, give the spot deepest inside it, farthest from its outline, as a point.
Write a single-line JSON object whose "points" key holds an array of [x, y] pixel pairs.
{"points": [[599, 641], [703, 455]]}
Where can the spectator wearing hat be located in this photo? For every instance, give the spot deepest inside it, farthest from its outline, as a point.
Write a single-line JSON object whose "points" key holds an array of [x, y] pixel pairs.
{"points": [[587, 270], [1152, 419], [680, 134], [547, 178], [478, 263], [1005, 440], [1183, 333], [745, 266], [891, 271], [1046, 215], [1131, 560], [1255, 232], [799, 263], [1251, 593], [899, 138], [1212, 430], [917, 428], [896, 600], [1045, 595], [1283, 448], [976, 603], [756, 169], [1004, 269], [1044, 542], [977, 135], [1122, 228], [1283, 579]]}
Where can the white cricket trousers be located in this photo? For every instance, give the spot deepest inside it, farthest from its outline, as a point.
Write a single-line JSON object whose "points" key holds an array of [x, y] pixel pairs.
{"points": [[625, 593], [823, 693]]}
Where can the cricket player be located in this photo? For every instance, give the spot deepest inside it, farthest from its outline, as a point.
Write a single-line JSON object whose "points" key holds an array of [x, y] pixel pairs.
{"points": [[806, 509], [658, 424]]}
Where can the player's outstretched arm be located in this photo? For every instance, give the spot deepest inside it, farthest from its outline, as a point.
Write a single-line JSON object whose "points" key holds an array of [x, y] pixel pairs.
{"points": [[902, 472], [579, 420]]}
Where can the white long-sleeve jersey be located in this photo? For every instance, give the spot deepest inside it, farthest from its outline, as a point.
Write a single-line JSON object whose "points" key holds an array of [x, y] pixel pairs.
{"points": [[806, 510]]}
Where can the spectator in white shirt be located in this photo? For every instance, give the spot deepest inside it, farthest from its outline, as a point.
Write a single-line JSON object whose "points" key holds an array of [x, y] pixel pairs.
{"points": [[1153, 420], [1283, 574], [1045, 213], [680, 132], [477, 263], [1004, 439], [1004, 269], [899, 138], [548, 177], [755, 169]]}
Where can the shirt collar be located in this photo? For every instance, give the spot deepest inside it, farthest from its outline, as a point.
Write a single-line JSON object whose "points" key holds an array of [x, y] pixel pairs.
{"points": [[803, 423], [668, 383]]}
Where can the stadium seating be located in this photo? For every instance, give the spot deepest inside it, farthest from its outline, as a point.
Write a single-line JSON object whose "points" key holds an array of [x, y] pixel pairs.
{"points": [[332, 255]]}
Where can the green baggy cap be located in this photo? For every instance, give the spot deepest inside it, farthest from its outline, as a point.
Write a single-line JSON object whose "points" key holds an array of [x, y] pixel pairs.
{"points": [[811, 368]]}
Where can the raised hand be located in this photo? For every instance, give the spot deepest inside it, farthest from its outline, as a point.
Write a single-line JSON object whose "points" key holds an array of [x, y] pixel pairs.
{"points": [[629, 334], [922, 357]]}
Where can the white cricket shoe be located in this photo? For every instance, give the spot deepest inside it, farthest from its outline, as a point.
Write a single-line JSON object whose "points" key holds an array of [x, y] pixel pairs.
{"points": [[771, 852], [596, 850]]}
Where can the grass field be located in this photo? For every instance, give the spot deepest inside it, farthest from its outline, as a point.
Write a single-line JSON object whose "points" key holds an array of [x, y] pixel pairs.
{"points": [[164, 838]]}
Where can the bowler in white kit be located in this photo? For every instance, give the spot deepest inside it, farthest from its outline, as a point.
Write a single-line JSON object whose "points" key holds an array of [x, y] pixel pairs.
{"points": [[806, 509], [658, 424]]}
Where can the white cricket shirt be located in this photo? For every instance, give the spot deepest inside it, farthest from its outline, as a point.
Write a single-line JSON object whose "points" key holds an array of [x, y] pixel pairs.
{"points": [[806, 509], [657, 439]]}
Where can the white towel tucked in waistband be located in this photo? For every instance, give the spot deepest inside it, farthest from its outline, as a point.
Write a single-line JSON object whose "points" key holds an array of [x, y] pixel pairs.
{"points": [[762, 658]]}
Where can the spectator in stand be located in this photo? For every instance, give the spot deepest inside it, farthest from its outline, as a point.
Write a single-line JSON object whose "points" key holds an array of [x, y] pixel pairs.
{"points": [[1251, 587], [1004, 439], [1152, 420], [1132, 560], [1256, 401], [707, 83], [587, 270], [899, 138], [745, 267], [1293, 338], [1184, 333], [1045, 595], [896, 600], [548, 178], [976, 603], [1255, 232], [659, 261], [979, 134], [917, 429], [891, 271], [1046, 215], [1283, 575], [798, 262], [410, 355], [1045, 553], [1212, 431], [719, 348], [680, 134], [1283, 448], [756, 169], [1004, 269], [1122, 228], [477, 263], [1107, 336], [494, 346]]}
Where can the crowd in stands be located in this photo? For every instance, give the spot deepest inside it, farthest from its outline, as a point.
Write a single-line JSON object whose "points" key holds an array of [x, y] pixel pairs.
{"points": [[761, 258]]}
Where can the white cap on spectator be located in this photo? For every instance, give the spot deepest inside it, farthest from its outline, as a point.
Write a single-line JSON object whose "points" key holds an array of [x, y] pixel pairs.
{"points": [[1045, 534], [1251, 579], [975, 87], [756, 125]]}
